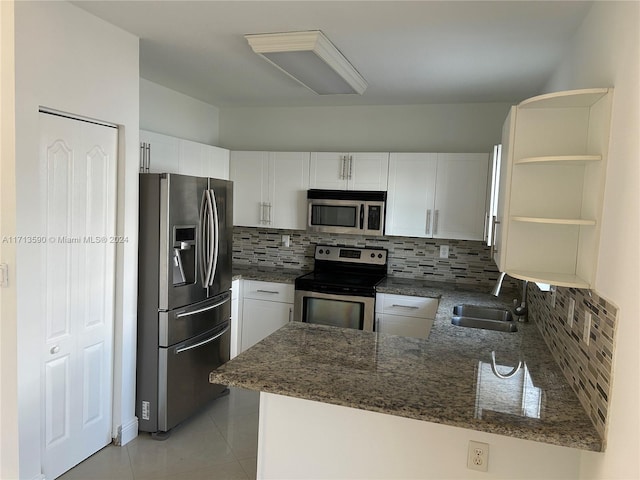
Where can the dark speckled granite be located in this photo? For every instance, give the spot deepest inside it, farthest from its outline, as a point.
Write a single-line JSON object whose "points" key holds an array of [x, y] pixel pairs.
{"points": [[446, 378]]}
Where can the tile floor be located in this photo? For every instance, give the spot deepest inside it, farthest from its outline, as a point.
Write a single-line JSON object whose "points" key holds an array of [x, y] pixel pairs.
{"points": [[220, 442]]}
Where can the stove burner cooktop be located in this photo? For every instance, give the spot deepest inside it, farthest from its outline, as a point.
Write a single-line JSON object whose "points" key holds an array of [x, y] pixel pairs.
{"points": [[345, 269]]}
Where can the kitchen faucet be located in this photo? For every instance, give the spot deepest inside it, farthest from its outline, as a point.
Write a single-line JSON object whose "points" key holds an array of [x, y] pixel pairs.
{"points": [[520, 310]]}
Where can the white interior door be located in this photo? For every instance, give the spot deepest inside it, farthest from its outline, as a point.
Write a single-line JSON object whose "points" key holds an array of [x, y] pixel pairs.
{"points": [[78, 177]]}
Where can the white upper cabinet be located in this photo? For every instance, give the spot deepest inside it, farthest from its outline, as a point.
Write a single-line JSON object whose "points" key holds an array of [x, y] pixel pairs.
{"points": [[437, 195], [461, 191], [349, 171], [163, 152], [411, 194], [555, 150], [270, 189], [167, 154]]}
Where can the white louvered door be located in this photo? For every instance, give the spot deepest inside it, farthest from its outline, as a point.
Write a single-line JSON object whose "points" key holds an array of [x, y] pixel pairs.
{"points": [[78, 176]]}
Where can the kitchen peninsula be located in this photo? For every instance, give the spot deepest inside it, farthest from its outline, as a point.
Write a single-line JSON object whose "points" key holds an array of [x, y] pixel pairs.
{"points": [[339, 403]]}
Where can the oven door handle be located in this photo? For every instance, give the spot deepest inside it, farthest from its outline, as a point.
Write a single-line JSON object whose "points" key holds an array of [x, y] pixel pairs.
{"points": [[362, 216]]}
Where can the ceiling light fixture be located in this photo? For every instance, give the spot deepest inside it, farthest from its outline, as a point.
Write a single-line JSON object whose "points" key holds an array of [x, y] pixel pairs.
{"points": [[311, 59]]}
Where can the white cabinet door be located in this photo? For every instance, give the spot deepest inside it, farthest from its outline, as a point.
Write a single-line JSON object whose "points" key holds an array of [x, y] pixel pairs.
{"points": [[461, 194], [401, 325], [176, 155], [260, 318], [368, 171], [270, 189], [289, 181], [409, 316], [215, 162], [501, 227], [164, 152], [439, 195], [349, 171], [249, 172], [191, 159], [411, 194], [328, 170]]}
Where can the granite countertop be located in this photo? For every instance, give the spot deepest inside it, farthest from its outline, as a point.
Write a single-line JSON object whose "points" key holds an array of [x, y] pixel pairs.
{"points": [[266, 274], [446, 378]]}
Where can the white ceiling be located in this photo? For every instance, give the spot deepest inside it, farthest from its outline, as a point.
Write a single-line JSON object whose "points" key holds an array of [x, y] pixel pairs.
{"points": [[413, 52]]}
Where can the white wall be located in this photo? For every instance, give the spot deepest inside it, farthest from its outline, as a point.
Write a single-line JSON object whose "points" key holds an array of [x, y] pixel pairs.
{"points": [[606, 52], [8, 325], [409, 128], [303, 439], [71, 61], [166, 111]]}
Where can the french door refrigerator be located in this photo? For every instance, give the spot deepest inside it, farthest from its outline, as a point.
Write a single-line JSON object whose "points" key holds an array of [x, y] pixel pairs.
{"points": [[184, 301]]}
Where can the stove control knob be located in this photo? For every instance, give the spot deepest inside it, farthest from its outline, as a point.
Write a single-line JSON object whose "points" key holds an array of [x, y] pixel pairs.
{"points": [[373, 255], [379, 255], [320, 251], [328, 251]]}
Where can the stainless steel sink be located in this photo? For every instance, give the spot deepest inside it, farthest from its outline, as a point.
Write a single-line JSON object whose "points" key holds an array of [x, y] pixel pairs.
{"points": [[473, 316]]}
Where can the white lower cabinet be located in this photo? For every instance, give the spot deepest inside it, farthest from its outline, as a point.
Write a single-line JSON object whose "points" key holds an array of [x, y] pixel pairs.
{"points": [[266, 306], [236, 317], [405, 315]]}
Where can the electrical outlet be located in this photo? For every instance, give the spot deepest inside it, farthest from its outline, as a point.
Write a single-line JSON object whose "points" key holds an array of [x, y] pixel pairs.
{"points": [[586, 329], [444, 251], [478, 456], [285, 240], [570, 312]]}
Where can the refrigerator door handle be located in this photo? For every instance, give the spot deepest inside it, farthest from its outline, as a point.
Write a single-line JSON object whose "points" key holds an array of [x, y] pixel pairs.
{"points": [[203, 239], [203, 309], [216, 235], [210, 240], [204, 342]]}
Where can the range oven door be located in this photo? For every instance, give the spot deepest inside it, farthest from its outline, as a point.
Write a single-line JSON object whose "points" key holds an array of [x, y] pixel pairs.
{"points": [[336, 310]]}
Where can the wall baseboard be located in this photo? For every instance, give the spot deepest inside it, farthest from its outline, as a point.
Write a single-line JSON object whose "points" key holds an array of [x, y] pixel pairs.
{"points": [[126, 433]]}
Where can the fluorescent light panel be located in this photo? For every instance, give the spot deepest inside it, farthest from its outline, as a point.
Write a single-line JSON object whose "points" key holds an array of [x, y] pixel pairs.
{"points": [[311, 59]]}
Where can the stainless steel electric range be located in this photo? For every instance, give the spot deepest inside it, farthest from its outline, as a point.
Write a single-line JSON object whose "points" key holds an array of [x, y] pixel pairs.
{"points": [[341, 290]]}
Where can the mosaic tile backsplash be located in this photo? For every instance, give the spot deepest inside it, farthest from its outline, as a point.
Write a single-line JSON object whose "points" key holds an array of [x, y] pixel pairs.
{"points": [[469, 262], [587, 368]]}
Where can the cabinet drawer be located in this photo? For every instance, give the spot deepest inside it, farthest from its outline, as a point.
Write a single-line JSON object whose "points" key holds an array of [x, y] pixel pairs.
{"points": [[274, 292], [409, 306], [403, 325]]}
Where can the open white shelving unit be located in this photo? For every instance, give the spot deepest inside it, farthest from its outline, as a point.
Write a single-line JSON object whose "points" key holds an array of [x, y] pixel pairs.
{"points": [[557, 153]]}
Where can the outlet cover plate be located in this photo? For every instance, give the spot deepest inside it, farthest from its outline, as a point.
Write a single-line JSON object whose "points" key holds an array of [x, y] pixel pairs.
{"points": [[478, 456]]}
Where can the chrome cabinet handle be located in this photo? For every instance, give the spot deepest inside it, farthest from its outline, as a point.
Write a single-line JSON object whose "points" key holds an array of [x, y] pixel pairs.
{"points": [[267, 291], [350, 167], [268, 221], [436, 213], [55, 349], [290, 314], [494, 250], [413, 307], [428, 229], [343, 173]]}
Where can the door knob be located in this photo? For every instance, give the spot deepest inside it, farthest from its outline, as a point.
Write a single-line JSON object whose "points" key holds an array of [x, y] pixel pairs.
{"points": [[55, 349]]}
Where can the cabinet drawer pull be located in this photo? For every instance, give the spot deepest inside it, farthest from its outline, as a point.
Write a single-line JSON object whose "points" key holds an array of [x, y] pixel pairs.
{"points": [[267, 291], [405, 306]]}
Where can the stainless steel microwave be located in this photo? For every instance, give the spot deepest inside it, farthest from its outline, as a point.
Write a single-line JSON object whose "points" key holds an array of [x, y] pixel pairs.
{"points": [[357, 212]]}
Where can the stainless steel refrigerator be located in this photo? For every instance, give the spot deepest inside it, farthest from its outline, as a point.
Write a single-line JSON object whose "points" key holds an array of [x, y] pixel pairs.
{"points": [[184, 300]]}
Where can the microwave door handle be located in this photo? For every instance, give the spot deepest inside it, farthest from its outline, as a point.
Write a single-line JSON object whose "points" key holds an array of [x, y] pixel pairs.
{"points": [[362, 216], [215, 221]]}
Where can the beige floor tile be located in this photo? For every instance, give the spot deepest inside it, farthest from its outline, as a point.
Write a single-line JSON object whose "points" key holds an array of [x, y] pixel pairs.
{"points": [[110, 463]]}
